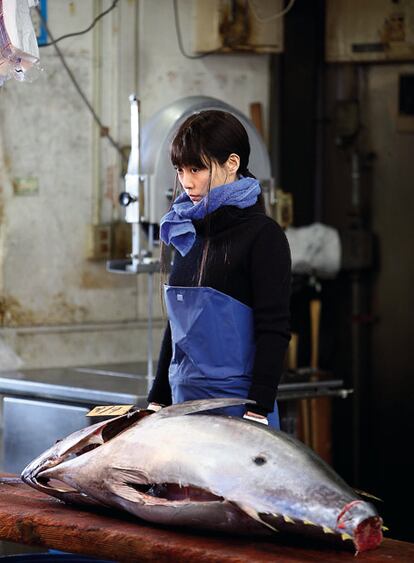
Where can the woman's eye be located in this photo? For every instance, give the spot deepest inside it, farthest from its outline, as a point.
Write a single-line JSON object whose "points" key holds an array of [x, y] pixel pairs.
{"points": [[195, 170]]}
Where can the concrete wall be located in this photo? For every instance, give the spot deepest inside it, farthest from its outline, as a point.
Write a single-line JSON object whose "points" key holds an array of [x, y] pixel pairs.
{"points": [[57, 307]]}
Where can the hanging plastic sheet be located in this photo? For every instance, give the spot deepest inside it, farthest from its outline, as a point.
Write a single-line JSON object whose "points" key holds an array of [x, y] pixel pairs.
{"points": [[19, 51]]}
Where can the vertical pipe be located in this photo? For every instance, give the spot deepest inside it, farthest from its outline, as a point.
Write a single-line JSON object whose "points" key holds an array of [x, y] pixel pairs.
{"points": [[356, 348], [133, 181], [349, 87], [356, 371], [136, 245], [359, 290], [116, 27], [96, 102], [150, 297], [150, 367], [355, 183]]}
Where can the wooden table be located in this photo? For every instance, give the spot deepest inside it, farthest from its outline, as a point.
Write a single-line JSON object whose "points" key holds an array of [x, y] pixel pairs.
{"points": [[30, 517]]}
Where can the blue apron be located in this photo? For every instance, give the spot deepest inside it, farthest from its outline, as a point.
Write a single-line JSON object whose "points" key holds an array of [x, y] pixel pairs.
{"points": [[212, 347]]}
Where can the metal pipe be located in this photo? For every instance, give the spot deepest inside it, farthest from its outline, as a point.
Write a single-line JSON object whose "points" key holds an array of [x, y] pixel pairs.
{"points": [[356, 372], [133, 162], [136, 245], [150, 299], [359, 292], [132, 182], [150, 367], [96, 102], [356, 182]]}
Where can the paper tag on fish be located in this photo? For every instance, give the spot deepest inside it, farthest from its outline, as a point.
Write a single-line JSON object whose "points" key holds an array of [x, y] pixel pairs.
{"points": [[110, 410]]}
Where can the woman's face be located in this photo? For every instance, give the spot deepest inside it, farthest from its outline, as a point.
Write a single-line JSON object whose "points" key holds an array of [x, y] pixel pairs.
{"points": [[195, 181]]}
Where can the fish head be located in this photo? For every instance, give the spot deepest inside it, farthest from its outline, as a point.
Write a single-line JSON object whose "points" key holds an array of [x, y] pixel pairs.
{"points": [[40, 473]]}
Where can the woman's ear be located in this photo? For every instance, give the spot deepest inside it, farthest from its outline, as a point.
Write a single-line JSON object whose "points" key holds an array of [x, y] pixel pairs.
{"points": [[233, 163]]}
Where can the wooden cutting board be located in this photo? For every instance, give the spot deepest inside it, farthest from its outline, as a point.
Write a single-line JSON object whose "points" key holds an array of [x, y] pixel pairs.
{"points": [[32, 518]]}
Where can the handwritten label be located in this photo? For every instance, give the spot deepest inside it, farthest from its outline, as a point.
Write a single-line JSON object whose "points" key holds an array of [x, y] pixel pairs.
{"points": [[110, 410]]}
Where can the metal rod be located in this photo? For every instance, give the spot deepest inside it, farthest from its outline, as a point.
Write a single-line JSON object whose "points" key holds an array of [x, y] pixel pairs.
{"points": [[150, 374], [132, 179], [136, 245], [355, 177], [133, 162], [150, 367]]}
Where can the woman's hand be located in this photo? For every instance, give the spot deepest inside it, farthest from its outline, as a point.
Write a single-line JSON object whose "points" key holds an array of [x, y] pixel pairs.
{"points": [[154, 407], [256, 417]]}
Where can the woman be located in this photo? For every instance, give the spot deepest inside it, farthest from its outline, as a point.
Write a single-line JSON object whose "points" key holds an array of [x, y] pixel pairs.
{"points": [[228, 293]]}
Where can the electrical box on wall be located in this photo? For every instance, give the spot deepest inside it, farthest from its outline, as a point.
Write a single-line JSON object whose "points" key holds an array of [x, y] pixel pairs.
{"points": [[238, 25], [109, 241], [369, 30], [99, 243]]}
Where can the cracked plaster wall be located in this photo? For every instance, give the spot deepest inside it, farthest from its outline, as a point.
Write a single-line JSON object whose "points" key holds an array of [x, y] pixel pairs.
{"points": [[58, 308]]}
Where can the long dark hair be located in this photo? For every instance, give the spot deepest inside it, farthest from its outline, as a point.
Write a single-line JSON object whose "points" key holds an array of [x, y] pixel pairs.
{"points": [[203, 138]]}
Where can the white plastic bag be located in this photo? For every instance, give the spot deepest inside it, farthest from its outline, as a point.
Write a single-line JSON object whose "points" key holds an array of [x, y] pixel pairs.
{"points": [[315, 249], [18, 44]]}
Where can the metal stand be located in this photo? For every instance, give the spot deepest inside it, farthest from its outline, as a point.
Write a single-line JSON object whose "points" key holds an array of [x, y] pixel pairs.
{"points": [[141, 260]]}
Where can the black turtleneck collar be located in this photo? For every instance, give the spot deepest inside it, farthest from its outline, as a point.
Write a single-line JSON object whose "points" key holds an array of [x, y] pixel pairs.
{"points": [[225, 217]]}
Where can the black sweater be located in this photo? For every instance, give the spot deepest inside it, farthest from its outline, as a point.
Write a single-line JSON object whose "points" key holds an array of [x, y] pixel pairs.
{"points": [[249, 259]]}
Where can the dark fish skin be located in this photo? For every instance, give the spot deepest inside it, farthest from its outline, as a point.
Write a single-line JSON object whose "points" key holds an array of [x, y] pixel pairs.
{"points": [[182, 466]]}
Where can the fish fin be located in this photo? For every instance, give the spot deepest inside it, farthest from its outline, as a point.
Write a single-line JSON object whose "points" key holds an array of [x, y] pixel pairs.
{"points": [[126, 492], [122, 483], [255, 515], [128, 475], [191, 407], [368, 495]]}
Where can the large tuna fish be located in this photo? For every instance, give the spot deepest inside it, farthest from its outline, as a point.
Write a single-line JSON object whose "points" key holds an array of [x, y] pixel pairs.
{"points": [[206, 471]]}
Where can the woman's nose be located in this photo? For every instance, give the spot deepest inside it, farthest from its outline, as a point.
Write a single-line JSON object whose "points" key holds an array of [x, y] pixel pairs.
{"points": [[187, 181]]}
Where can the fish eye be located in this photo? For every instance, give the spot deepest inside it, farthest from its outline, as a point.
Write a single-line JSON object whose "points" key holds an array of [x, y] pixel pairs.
{"points": [[259, 460]]}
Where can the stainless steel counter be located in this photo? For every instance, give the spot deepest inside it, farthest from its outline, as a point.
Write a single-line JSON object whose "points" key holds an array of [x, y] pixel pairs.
{"points": [[43, 405], [115, 384], [126, 384]]}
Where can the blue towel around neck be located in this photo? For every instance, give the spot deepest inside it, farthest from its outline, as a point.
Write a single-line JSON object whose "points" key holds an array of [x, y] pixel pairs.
{"points": [[176, 227]]}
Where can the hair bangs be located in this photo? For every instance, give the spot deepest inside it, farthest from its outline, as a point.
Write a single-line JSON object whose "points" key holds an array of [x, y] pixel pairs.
{"points": [[187, 149]]}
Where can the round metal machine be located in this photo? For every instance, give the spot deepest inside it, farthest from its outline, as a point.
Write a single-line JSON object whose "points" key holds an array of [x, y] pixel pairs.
{"points": [[155, 164]]}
